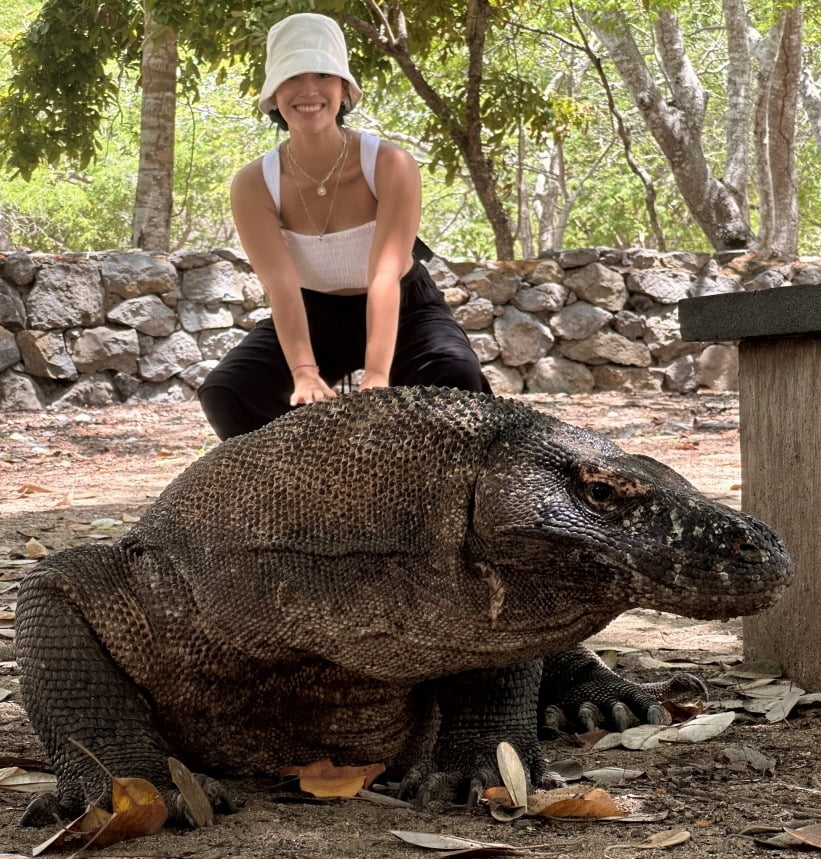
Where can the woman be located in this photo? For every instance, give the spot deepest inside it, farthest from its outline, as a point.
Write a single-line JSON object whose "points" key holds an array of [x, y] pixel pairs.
{"points": [[328, 220]]}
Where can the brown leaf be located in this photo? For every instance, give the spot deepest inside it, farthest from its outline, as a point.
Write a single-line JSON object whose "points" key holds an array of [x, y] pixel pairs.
{"points": [[324, 779], [66, 500], [573, 802], [35, 549], [32, 488], [498, 796], [139, 810], [683, 712], [589, 739], [90, 821]]}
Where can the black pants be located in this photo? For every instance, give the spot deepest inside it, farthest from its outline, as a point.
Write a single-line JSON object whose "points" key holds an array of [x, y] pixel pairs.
{"points": [[252, 384]]}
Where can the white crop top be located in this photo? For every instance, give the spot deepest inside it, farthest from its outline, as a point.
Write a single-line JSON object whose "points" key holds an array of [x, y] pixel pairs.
{"points": [[336, 260]]}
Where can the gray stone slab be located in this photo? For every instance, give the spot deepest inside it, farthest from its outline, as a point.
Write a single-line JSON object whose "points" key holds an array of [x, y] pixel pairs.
{"points": [[784, 312]]}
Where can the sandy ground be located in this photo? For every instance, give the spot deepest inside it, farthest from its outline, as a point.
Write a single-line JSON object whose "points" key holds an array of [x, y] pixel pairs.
{"points": [[75, 476]]}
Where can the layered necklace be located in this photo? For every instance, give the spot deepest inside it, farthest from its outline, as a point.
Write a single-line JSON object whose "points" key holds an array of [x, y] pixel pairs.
{"points": [[321, 190]]}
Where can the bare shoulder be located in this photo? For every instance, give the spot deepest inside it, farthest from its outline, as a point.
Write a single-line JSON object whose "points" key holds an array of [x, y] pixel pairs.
{"points": [[396, 169], [394, 157], [249, 191], [248, 178]]}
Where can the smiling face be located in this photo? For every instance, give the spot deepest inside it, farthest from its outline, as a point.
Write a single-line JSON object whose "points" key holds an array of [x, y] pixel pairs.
{"points": [[311, 99]]}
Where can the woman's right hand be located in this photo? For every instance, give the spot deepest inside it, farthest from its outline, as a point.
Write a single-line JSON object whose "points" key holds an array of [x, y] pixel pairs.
{"points": [[309, 387]]}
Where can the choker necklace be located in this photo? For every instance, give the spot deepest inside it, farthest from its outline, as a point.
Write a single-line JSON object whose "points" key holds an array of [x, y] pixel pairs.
{"points": [[321, 190], [321, 233]]}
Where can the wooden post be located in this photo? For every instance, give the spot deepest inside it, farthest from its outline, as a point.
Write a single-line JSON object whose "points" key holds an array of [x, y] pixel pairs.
{"points": [[780, 421]]}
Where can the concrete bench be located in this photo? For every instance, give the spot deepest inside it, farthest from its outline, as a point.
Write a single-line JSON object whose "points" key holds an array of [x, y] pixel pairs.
{"points": [[779, 334]]}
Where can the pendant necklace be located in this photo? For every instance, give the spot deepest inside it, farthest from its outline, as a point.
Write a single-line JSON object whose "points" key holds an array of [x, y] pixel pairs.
{"points": [[321, 190], [340, 162]]}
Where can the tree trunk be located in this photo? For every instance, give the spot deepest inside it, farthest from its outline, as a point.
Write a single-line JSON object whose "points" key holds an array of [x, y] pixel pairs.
{"points": [[155, 179], [524, 229], [738, 114], [676, 126], [778, 78], [811, 100], [464, 126], [5, 232]]}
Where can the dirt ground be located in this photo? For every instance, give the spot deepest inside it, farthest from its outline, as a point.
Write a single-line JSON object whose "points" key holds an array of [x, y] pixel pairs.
{"points": [[73, 476]]}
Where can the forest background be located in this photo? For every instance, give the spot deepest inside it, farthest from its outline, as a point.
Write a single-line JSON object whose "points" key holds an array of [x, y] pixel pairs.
{"points": [[539, 126]]}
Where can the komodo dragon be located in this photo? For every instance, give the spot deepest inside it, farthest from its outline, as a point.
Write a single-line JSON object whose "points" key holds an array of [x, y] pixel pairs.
{"points": [[372, 578]]}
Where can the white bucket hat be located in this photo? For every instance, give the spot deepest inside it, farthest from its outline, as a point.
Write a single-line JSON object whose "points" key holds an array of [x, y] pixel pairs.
{"points": [[302, 43]]}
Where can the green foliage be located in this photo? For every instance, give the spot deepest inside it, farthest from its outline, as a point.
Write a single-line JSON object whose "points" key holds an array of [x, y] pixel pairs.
{"points": [[69, 117], [63, 81]]}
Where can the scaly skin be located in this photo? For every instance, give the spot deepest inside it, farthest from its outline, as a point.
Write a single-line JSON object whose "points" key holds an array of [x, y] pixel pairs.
{"points": [[347, 579]]}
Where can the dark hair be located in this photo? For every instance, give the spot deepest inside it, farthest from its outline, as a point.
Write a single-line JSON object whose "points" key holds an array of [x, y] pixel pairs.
{"points": [[277, 119]]}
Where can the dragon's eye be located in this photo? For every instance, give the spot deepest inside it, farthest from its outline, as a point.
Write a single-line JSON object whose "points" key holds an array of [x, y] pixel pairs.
{"points": [[601, 492]]}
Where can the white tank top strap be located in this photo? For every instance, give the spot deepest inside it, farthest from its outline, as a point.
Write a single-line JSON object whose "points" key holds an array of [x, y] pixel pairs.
{"points": [[368, 148], [270, 173]]}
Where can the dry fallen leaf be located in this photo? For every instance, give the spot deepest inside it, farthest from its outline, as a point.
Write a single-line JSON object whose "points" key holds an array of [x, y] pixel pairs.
{"points": [[139, 810], [32, 488], [380, 799], [569, 769], [601, 741], [573, 802], [703, 728], [16, 778], [497, 798], [323, 779], [643, 736], [513, 774], [35, 549], [82, 827], [653, 663], [780, 709], [745, 756], [807, 834], [465, 846], [613, 775], [67, 500], [191, 791], [138, 797], [683, 712], [657, 841]]}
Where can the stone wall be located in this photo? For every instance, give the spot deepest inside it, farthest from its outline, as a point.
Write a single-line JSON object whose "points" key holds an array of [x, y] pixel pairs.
{"points": [[94, 329]]}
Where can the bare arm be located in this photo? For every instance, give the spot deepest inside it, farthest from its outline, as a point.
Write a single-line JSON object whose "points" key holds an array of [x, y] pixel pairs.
{"points": [[398, 187], [259, 230]]}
